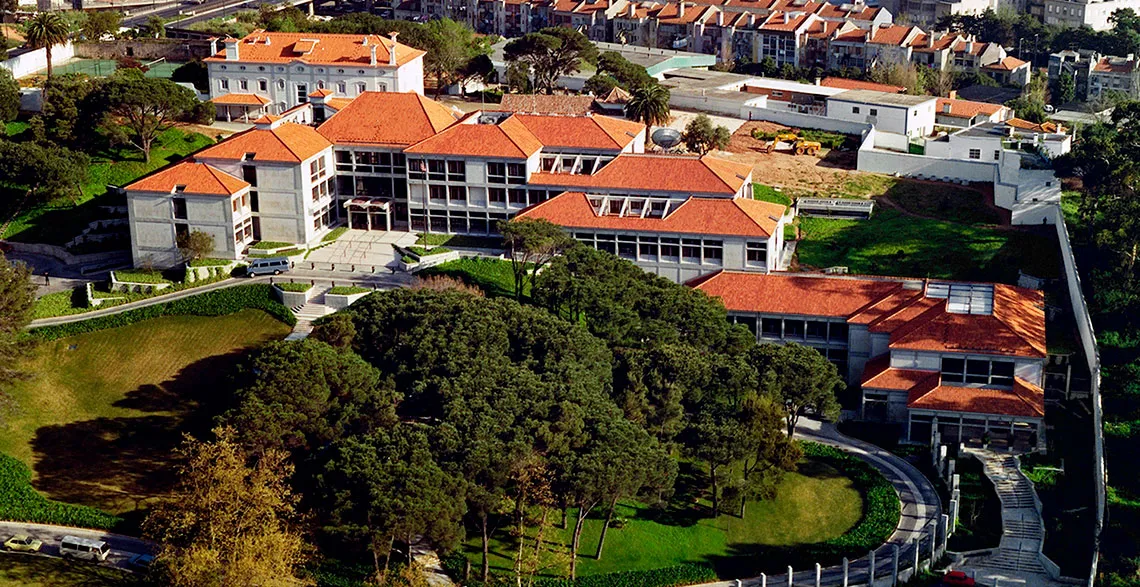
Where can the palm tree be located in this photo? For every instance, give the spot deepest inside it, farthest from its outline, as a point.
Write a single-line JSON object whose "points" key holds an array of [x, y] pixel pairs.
{"points": [[648, 104], [46, 29]]}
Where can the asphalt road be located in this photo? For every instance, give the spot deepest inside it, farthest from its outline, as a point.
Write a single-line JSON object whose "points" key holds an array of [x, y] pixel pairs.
{"points": [[122, 547]]}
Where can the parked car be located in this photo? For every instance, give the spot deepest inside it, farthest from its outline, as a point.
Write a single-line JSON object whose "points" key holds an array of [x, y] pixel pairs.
{"points": [[140, 562], [957, 579], [267, 266], [84, 548], [23, 543]]}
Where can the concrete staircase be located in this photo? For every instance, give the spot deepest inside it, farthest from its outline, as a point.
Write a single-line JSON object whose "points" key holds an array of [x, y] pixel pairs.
{"points": [[1023, 532], [307, 313]]}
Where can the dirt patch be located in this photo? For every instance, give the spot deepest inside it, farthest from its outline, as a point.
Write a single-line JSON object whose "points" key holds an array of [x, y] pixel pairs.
{"points": [[831, 173]]}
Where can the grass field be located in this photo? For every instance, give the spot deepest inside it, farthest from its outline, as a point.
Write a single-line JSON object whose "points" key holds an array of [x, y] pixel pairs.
{"points": [[98, 420], [893, 243], [105, 67], [57, 221], [813, 505], [494, 276], [37, 571]]}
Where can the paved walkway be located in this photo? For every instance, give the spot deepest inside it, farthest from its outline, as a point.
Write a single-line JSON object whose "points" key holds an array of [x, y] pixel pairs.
{"points": [[363, 248], [1018, 559], [313, 310], [921, 509], [122, 547]]}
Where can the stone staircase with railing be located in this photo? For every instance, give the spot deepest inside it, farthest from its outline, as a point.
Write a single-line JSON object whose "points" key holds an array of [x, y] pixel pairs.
{"points": [[308, 312]]}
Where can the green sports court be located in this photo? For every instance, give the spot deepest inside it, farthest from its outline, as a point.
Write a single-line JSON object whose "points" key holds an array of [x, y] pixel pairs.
{"points": [[105, 67]]}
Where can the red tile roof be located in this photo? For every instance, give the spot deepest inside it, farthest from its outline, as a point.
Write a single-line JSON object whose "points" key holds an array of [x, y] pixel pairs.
{"points": [[1024, 400], [320, 93], [288, 143], [1044, 127], [603, 133], [854, 84], [319, 49], [508, 139], [387, 119], [784, 22], [196, 179], [966, 108], [543, 104], [240, 100], [673, 173], [710, 216], [1007, 64], [893, 34], [1110, 65], [878, 374], [915, 321]]}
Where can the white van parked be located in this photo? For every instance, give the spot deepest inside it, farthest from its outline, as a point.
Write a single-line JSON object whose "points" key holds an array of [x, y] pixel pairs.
{"points": [[267, 266], [83, 548]]}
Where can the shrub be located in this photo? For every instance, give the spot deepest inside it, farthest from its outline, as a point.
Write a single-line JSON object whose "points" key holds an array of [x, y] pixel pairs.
{"points": [[346, 290], [294, 287], [141, 277], [210, 262], [214, 303], [334, 234], [20, 502], [881, 506], [687, 574], [424, 252], [268, 245]]}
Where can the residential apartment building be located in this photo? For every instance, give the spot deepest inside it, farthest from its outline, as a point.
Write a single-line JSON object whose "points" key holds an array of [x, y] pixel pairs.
{"points": [[966, 113], [1078, 13], [269, 73], [965, 357], [898, 118], [1097, 75]]}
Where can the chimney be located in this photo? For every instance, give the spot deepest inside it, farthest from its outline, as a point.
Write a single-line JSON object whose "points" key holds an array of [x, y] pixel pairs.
{"points": [[720, 22], [818, 80], [946, 108], [372, 61], [632, 10], [365, 41], [267, 38], [392, 52], [953, 95], [681, 10], [213, 46], [751, 19], [970, 46], [231, 49]]}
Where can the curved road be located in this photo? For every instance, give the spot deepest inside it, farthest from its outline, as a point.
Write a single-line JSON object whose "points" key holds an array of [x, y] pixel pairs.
{"points": [[122, 547]]}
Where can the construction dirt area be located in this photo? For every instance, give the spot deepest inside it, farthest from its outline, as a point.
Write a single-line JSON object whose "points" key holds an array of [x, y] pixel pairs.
{"points": [[831, 173]]}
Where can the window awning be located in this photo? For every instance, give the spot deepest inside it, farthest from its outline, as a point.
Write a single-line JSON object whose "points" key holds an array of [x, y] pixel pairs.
{"points": [[368, 203]]}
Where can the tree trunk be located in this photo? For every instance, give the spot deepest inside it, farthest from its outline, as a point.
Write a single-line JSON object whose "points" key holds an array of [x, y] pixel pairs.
{"points": [[538, 543], [715, 490], [376, 560], [743, 503], [793, 418], [606, 526], [47, 53], [648, 139], [387, 559], [486, 549], [583, 511]]}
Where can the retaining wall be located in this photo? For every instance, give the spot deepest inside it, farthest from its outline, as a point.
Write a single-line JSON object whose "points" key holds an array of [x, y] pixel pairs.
{"points": [[800, 120], [30, 62], [146, 49]]}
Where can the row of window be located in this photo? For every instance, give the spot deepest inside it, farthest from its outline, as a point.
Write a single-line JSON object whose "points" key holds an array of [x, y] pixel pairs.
{"points": [[655, 249], [977, 154], [323, 189], [325, 216], [280, 69], [977, 372], [456, 221], [797, 329], [371, 162], [243, 233]]}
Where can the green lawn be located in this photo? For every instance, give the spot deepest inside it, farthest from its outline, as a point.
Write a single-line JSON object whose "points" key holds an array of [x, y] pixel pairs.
{"points": [[943, 201], [98, 420], [494, 276], [770, 194], [58, 221], [813, 505], [37, 571], [893, 243]]}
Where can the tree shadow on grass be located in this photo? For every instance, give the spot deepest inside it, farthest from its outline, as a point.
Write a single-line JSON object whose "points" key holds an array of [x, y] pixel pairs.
{"points": [[682, 509], [121, 464]]}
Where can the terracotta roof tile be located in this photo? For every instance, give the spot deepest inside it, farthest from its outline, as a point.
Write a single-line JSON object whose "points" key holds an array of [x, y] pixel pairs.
{"points": [[289, 143], [674, 173], [783, 22], [1016, 327], [343, 50], [854, 84], [1114, 65], [966, 108], [338, 104], [1007, 64], [508, 139], [893, 34], [1024, 400], [787, 293], [240, 100], [388, 119], [878, 374], [543, 104], [197, 179], [710, 216], [603, 133]]}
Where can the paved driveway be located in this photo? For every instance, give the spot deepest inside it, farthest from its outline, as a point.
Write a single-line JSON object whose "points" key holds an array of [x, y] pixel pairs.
{"points": [[363, 247], [122, 547]]}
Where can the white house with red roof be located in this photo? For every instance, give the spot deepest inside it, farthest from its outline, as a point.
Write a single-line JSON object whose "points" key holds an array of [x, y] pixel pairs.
{"points": [[271, 72], [965, 357]]}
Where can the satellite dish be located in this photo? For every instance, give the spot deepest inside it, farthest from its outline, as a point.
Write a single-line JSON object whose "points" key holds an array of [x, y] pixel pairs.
{"points": [[667, 138]]}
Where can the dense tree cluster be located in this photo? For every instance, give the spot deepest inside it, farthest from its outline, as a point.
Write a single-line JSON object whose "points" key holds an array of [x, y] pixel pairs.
{"points": [[17, 295], [550, 54], [433, 412]]}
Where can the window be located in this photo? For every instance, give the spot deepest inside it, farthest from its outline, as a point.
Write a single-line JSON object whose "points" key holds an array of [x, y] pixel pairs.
{"points": [[456, 171], [975, 153], [417, 169], [317, 168], [647, 251], [627, 248], [263, 85], [690, 250], [361, 88], [670, 250], [973, 371], [874, 111], [253, 201], [302, 93], [837, 332], [997, 154], [437, 170], [496, 172], [457, 193], [816, 330], [179, 208], [497, 195], [757, 253], [243, 84], [437, 192], [223, 84], [516, 173], [341, 88], [772, 327], [516, 196], [280, 84], [249, 174], [794, 329], [854, 110], [714, 252]]}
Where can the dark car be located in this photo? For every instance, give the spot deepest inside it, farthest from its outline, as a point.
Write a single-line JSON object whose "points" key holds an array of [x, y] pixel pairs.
{"points": [[957, 579], [140, 562]]}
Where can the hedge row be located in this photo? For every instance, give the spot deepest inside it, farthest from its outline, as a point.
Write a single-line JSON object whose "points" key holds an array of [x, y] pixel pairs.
{"points": [[675, 576], [20, 502], [881, 506], [219, 302]]}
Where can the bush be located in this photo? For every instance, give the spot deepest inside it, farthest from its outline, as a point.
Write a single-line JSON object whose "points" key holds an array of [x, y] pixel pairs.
{"points": [[829, 140], [424, 252], [687, 574], [334, 234], [214, 303], [268, 245], [210, 262], [20, 502], [294, 287], [141, 277]]}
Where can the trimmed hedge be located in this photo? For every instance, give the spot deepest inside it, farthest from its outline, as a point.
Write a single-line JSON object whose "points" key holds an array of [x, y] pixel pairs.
{"points": [[153, 277], [20, 502], [881, 506], [270, 245], [219, 302], [675, 576], [294, 287], [347, 290]]}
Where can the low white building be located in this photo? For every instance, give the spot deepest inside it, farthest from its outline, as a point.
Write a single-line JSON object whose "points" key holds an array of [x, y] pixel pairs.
{"points": [[897, 118], [269, 73]]}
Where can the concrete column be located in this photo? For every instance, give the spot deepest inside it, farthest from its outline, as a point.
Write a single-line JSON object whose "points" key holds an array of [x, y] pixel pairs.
{"points": [[791, 573], [933, 546], [943, 523], [917, 544], [894, 564], [763, 580], [818, 574], [953, 516], [845, 571], [871, 571]]}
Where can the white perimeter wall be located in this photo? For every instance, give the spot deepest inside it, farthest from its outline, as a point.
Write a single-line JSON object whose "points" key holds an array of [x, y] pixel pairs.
{"points": [[801, 120], [28, 63], [907, 165]]}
